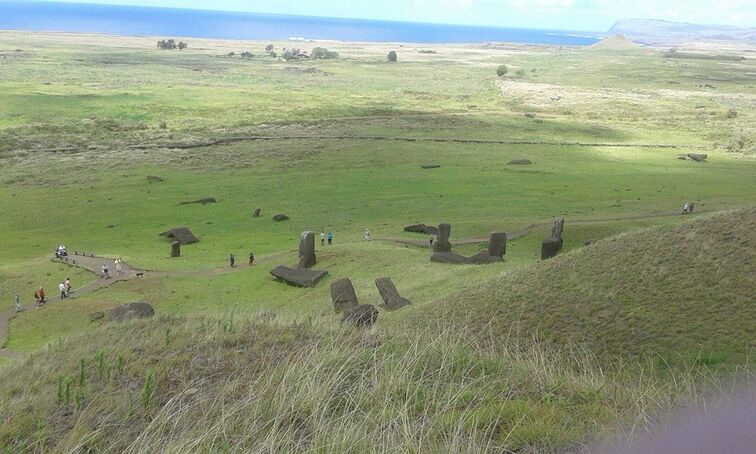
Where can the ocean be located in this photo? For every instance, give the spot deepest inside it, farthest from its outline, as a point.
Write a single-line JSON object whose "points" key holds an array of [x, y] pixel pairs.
{"points": [[167, 22]]}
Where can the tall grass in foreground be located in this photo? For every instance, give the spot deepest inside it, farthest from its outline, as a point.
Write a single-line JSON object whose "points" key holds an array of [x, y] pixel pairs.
{"points": [[294, 388]]}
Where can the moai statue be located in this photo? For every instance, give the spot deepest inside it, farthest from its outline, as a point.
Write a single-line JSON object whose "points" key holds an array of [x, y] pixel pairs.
{"points": [[175, 249], [390, 294], [552, 246], [443, 244], [307, 250], [343, 295], [497, 245]]}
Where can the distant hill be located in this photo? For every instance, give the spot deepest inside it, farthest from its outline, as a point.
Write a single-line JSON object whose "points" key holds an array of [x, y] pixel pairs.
{"points": [[615, 42], [683, 290], [649, 31]]}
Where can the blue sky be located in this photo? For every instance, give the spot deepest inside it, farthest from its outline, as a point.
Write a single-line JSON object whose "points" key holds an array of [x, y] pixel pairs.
{"points": [[589, 15]]}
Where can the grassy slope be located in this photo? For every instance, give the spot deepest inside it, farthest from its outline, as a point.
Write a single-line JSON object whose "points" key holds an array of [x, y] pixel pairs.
{"points": [[684, 290], [230, 385]]}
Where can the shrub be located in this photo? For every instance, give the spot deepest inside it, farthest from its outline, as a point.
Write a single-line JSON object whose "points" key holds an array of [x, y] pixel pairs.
{"points": [[520, 73], [269, 48], [392, 57], [732, 113], [502, 70], [321, 53]]}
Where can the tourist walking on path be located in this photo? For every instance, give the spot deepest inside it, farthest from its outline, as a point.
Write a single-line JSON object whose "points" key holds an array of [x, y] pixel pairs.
{"points": [[105, 271], [232, 259], [39, 297], [367, 234], [18, 303], [431, 240], [251, 259], [62, 288], [322, 238], [686, 208], [119, 266], [330, 238], [68, 285]]}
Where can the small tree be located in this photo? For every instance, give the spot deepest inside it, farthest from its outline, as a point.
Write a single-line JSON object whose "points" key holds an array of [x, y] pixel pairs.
{"points": [[269, 48], [182, 45], [392, 57], [520, 73], [502, 70]]}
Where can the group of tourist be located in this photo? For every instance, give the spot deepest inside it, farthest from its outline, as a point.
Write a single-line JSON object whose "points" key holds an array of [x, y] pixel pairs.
{"points": [[65, 288], [324, 237], [61, 251], [232, 259]]}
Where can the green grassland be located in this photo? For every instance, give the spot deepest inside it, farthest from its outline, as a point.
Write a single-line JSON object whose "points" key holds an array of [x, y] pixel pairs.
{"points": [[338, 145]]}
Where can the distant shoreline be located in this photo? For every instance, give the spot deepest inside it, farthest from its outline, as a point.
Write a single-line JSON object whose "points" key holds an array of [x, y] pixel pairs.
{"points": [[151, 21]]}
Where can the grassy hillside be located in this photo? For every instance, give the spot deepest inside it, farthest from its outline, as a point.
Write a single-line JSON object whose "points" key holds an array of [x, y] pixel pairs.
{"points": [[683, 290], [180, 385]]}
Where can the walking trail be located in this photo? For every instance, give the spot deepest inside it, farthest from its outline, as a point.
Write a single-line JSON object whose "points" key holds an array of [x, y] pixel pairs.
{"points": [[94, 264]]}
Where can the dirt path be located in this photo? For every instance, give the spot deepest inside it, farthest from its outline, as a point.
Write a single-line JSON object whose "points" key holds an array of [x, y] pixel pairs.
{"points": [[232, 140], [93, 264], [533, 227], [90, 263]]}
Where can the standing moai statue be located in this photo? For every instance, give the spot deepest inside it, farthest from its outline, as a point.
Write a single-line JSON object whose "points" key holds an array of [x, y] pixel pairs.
{"points": [[343, 296], [550, 247], [256, 213], [175, 249], [497, 245], [443, 244], [307, 250]]}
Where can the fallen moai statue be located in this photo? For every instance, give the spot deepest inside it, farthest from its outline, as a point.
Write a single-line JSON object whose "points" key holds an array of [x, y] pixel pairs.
{"points": [[442, 244], [301, 277], [280, 217], [698, 157], [497, 247], [307, 250], [391, 297], [550, 247], [204, 201], [131, 311], [343, 296], [520, 162], [181, 234], [422, 228], [362, 316]]}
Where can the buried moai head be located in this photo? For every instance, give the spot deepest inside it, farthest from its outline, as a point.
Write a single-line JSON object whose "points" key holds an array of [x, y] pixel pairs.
{"points": [[443, 244], [343, 296], [390, 295], [363, 316], [550, 248], [176, 249], [307, 250], [497, 245]]}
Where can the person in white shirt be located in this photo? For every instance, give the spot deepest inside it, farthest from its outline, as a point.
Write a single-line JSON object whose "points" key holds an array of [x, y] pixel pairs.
{"points": [[119, 266], [62, 288], [18, 303]]}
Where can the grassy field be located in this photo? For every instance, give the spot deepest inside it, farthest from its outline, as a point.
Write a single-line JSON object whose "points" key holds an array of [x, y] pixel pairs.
{"points": [[338, 145]]}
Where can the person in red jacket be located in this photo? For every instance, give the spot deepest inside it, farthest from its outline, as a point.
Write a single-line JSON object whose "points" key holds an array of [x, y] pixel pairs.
{"points": [[39, 297]]}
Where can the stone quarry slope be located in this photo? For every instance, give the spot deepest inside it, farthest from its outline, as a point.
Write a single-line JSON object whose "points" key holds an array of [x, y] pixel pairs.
{"points": [[685, 290]]}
